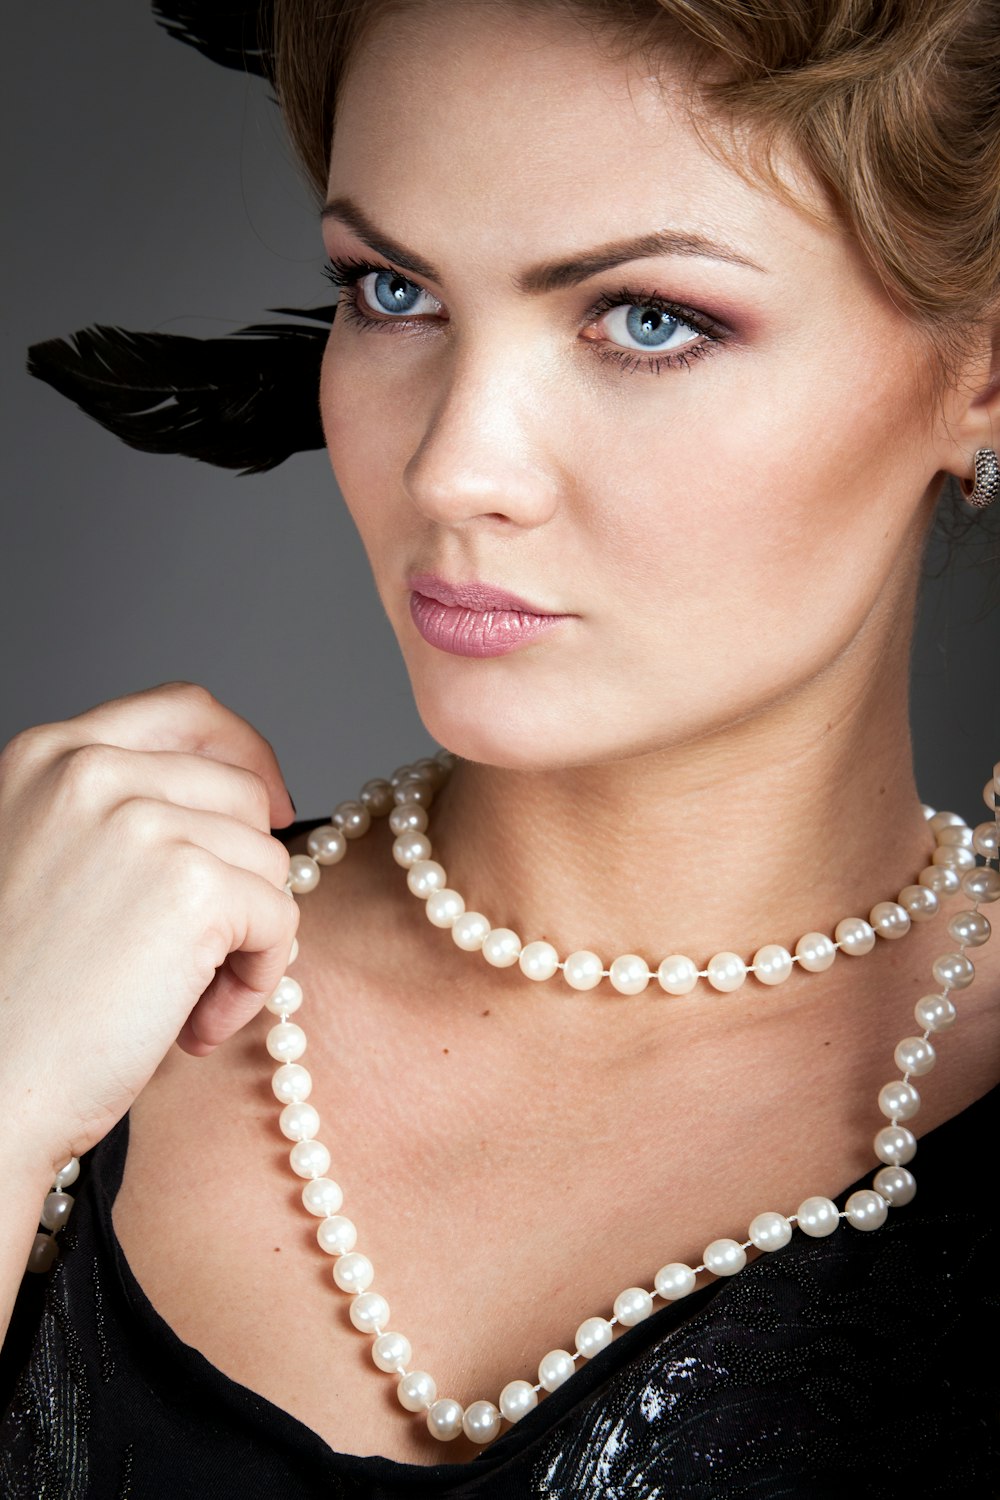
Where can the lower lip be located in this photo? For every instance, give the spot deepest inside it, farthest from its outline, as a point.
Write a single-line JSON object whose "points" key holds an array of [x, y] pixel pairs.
{"points": [[476, 632]]}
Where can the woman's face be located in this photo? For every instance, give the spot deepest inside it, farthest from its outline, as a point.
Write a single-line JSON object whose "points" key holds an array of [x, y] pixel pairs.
{"points": [[714, 458]]}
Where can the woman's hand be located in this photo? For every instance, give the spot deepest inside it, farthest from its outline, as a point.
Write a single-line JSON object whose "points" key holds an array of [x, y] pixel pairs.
{"points": [[142, 901]]}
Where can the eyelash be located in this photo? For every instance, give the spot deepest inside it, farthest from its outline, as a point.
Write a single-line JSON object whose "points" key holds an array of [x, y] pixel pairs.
{"points": [[346, 273]]}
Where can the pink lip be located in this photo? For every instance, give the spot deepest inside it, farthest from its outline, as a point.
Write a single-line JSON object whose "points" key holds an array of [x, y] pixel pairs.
{"points": [[474, 619], [480, 596]]}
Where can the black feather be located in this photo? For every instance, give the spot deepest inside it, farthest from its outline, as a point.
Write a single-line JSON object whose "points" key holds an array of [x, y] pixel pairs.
{"points": [[246, 401], [237, 36]]}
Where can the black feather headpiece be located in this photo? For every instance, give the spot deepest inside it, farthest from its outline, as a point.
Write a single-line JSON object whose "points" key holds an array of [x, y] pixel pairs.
{"points": [[246, 401]]}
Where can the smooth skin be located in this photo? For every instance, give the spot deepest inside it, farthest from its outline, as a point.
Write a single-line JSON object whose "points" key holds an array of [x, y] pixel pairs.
{"points": [[712, 752]]}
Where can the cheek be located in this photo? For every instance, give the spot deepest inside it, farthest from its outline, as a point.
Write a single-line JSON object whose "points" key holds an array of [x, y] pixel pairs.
{"points": [[358, 428]]}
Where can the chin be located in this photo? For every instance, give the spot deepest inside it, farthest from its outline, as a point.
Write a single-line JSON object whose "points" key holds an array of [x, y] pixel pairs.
{"points": [[514, 727]]}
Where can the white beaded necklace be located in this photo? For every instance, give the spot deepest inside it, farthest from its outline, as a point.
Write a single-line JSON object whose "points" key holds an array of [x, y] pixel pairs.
{"points": [[406, 798]]}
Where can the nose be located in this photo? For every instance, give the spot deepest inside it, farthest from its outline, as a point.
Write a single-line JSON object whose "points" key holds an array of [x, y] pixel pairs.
{"points": [[485, 450]]}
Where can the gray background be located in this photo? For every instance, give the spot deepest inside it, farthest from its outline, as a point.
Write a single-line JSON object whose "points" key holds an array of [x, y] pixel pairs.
{"points": [[149, 188]]}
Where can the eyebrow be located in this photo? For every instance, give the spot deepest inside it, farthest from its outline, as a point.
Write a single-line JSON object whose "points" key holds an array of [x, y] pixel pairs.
{"points": [[553, 275]]}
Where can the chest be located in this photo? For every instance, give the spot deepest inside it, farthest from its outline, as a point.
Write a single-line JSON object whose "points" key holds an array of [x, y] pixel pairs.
{"points": [[500, 1206]]}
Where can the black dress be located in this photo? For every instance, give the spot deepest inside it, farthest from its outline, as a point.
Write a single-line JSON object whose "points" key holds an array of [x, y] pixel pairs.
{"points": [[865, 1363]]}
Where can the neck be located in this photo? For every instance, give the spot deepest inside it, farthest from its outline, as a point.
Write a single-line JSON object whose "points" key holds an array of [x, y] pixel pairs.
{"points": [[771, 828]]}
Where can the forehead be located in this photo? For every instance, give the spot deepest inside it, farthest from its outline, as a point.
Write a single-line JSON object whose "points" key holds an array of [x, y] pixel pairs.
{"points": [[551, 129]]}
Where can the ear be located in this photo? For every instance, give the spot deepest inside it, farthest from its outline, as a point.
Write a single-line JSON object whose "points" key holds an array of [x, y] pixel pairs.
{"points": [[971, 403]]}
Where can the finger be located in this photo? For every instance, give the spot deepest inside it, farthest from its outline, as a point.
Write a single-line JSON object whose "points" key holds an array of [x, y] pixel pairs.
{"points": [[182, 716], [116, 775], [252, 970]]}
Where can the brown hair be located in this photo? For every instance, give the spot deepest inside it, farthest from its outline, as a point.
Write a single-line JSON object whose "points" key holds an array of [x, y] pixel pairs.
{"points": [[894, 104]]}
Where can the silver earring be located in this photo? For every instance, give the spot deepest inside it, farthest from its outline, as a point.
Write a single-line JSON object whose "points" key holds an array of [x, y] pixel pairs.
{"points": [[987, 483]]}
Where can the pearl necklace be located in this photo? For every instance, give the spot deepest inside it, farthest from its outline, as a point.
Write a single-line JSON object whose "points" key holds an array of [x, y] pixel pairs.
{"points": [[405, 798]]}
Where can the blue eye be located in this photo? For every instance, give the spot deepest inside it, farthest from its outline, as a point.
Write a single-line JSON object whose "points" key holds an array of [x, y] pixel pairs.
{"points": [[651, 327], [392, 292]]}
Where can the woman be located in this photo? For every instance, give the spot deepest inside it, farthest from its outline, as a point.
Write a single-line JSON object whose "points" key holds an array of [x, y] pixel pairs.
{"points": [[643, 427]]}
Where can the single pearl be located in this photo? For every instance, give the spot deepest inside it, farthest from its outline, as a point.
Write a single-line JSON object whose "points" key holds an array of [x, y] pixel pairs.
{"points": [[392, 1351], [430, 768], [724, 1257], [817, 1216], [866, 1209], [401, 773], [408, 848], [43, 1254], [889, 919], [895, 1145], [376, 795], [677, 974], [555, 1367], [501, 947], [953, 971], [517, 1398], [935, 1012], [726, 971], [955, 835], [369, 1312], [770, 1231], [413, 790], [481, 1422], [444, 1419], [327, 844], [674, 1280], [446, 758], [353, 1272], [287, 997], [772, 964], [67, 1174], [309, 1159], [896, 1185], [538, 960], [409, 817], [291, 1081], [632, 1306], [593, 1335], [286, 1042], [969, 927], [940, 878], [583, 969], [914, 1055], [815, 952], [56, 1209], [981, 884], [426, 876], [416, 1390], [337, 1234], [629, 974], [303, 874], [855, 936], [898, 1100], [469, 930], [444, 907], [945, 819], [919, 901], [352, 818], [986, 839], [953, 858], [299, 1121], [990, 793], [322, 1196]]}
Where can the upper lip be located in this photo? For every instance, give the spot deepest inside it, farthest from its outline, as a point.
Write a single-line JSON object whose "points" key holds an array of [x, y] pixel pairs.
{"points": [[472, 595]]}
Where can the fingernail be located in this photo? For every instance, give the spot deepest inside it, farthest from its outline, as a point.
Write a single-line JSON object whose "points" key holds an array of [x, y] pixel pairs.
{"points": [[292, 801]]}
